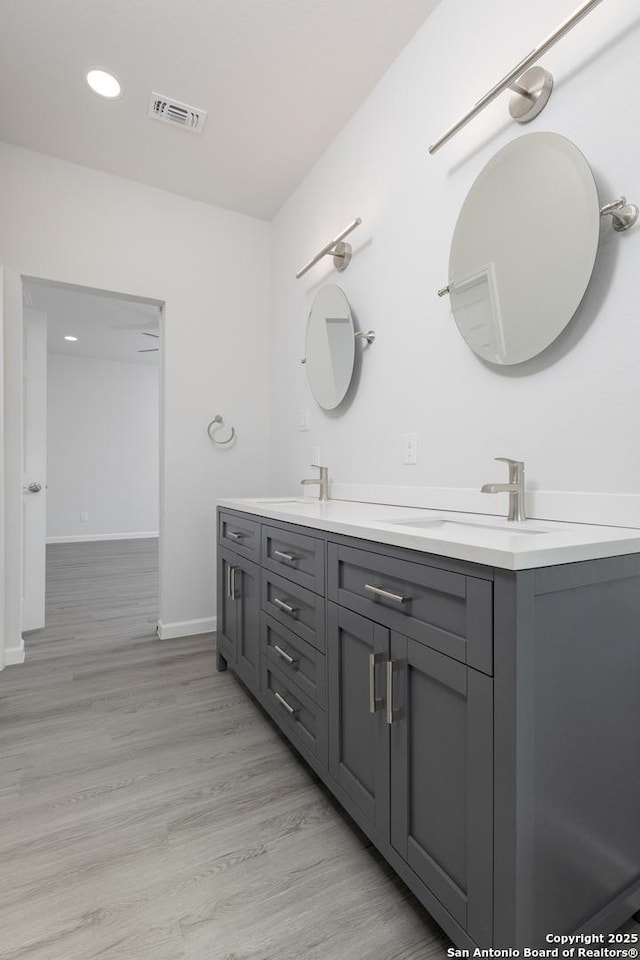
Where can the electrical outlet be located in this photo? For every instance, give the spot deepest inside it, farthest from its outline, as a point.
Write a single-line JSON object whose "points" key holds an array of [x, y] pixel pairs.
{"points": [[410, 448], [315, 455], [84, 517], [304, 419]]}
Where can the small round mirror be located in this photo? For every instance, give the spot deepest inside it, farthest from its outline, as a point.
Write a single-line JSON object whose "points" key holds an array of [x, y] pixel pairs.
{"points": [[330, 347], [524, 248]]}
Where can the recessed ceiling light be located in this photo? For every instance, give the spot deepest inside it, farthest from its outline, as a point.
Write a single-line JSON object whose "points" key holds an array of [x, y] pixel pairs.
{"points": [[71, 338], [104, 83]]}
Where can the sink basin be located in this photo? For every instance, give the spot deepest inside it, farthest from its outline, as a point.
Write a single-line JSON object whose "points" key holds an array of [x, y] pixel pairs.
{"points": [[444, 524]]}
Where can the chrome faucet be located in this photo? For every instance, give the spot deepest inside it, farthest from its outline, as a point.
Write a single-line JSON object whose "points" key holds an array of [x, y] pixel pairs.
{"points": [[515, 488], [323, 482]]}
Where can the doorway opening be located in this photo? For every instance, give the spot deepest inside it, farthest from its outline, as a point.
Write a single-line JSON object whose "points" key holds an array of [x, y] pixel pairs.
{"points": [[91, 455]]}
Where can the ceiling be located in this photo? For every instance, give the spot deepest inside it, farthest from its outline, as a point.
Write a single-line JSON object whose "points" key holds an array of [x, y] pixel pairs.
{"points": [[107, 327], [278, 78]]}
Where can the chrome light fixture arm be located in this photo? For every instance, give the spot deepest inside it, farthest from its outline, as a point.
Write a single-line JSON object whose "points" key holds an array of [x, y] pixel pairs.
{"points": [[531, 85], [340, 251]]}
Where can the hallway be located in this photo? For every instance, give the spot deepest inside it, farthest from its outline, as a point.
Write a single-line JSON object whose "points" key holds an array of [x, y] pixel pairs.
{"points": [[148, 810]]}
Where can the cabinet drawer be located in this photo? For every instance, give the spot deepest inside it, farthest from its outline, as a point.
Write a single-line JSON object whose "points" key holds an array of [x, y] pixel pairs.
{"points": [[296, 659], [241, 534], [297, 608], [303, 721], [294, 556], [449, 612]]}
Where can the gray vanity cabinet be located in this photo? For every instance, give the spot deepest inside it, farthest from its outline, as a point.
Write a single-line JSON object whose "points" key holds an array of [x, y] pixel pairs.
{"points": [[442, 779], [480, 725], [358, 734], [239, 614]]}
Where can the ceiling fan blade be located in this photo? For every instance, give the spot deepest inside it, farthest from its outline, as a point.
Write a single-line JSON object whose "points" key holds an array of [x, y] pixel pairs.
{"points": [[135, 324]]}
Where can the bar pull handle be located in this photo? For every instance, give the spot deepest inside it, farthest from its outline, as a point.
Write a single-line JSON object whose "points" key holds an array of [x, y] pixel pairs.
{"points": [[231, 582], [281, 555], [379, 592], [285, 606], [235, 536], [374, 702], [281, 700], [389, 717], [285, 656]]}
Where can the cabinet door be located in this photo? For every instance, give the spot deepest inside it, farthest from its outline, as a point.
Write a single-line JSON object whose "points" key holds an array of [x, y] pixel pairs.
{"points": [[358, 733], [442, 779], [246, 590], [227, 606]]}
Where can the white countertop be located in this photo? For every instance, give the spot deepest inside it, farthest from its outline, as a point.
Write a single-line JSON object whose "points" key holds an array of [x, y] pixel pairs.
{"points": [[480, 538]]}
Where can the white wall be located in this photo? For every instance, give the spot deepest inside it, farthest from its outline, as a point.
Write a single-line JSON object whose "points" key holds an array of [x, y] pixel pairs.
{"points": [[63, 222], [572, 413], [102, 448]]}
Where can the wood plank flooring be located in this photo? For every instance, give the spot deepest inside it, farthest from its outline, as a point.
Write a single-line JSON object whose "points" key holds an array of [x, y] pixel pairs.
{"points": [[149, 811]]}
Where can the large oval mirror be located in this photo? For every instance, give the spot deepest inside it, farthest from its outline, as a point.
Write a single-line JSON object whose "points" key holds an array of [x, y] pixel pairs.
{"points": [[524, 248], [330, 347]]}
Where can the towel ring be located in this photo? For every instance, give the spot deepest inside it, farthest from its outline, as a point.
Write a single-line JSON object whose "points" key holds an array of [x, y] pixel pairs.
{"points": [[219, 443]]}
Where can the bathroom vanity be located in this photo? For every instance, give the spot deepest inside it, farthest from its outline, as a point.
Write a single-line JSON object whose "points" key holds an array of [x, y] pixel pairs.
{"points": [[468, 689]]}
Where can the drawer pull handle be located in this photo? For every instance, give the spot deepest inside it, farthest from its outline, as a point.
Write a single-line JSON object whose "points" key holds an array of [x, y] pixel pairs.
{"points": [[235, 536], [281, 555], [285, 606], [287, 706], [285, 656], [379, 592], [374, 702]]}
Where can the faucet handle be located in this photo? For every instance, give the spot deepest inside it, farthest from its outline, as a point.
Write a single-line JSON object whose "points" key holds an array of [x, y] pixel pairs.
{"points": [[318, 466], [516, 468]]}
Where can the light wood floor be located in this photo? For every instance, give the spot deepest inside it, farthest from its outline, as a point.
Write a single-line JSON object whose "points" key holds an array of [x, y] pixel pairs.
{"points": [[149, 811]]}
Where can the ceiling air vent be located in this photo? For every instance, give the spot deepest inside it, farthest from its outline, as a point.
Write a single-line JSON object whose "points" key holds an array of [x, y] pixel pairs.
{"points": [[179, 114]]}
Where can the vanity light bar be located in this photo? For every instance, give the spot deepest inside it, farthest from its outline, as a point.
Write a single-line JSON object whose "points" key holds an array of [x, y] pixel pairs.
{"points": [[532, 90], [340, 251]]}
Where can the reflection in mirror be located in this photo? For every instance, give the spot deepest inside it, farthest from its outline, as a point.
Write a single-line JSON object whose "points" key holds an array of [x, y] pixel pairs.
{"points": [[330, 347], [524, 248]]}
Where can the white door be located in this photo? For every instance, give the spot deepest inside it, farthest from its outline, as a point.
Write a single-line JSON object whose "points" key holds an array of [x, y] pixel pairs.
{"points": [[2, 477], [34, 485]]}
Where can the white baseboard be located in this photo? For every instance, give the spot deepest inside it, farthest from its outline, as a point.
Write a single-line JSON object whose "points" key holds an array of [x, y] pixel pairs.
{"points": [[89, 537], [14, 655], [608, 509], [186, 628]]}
